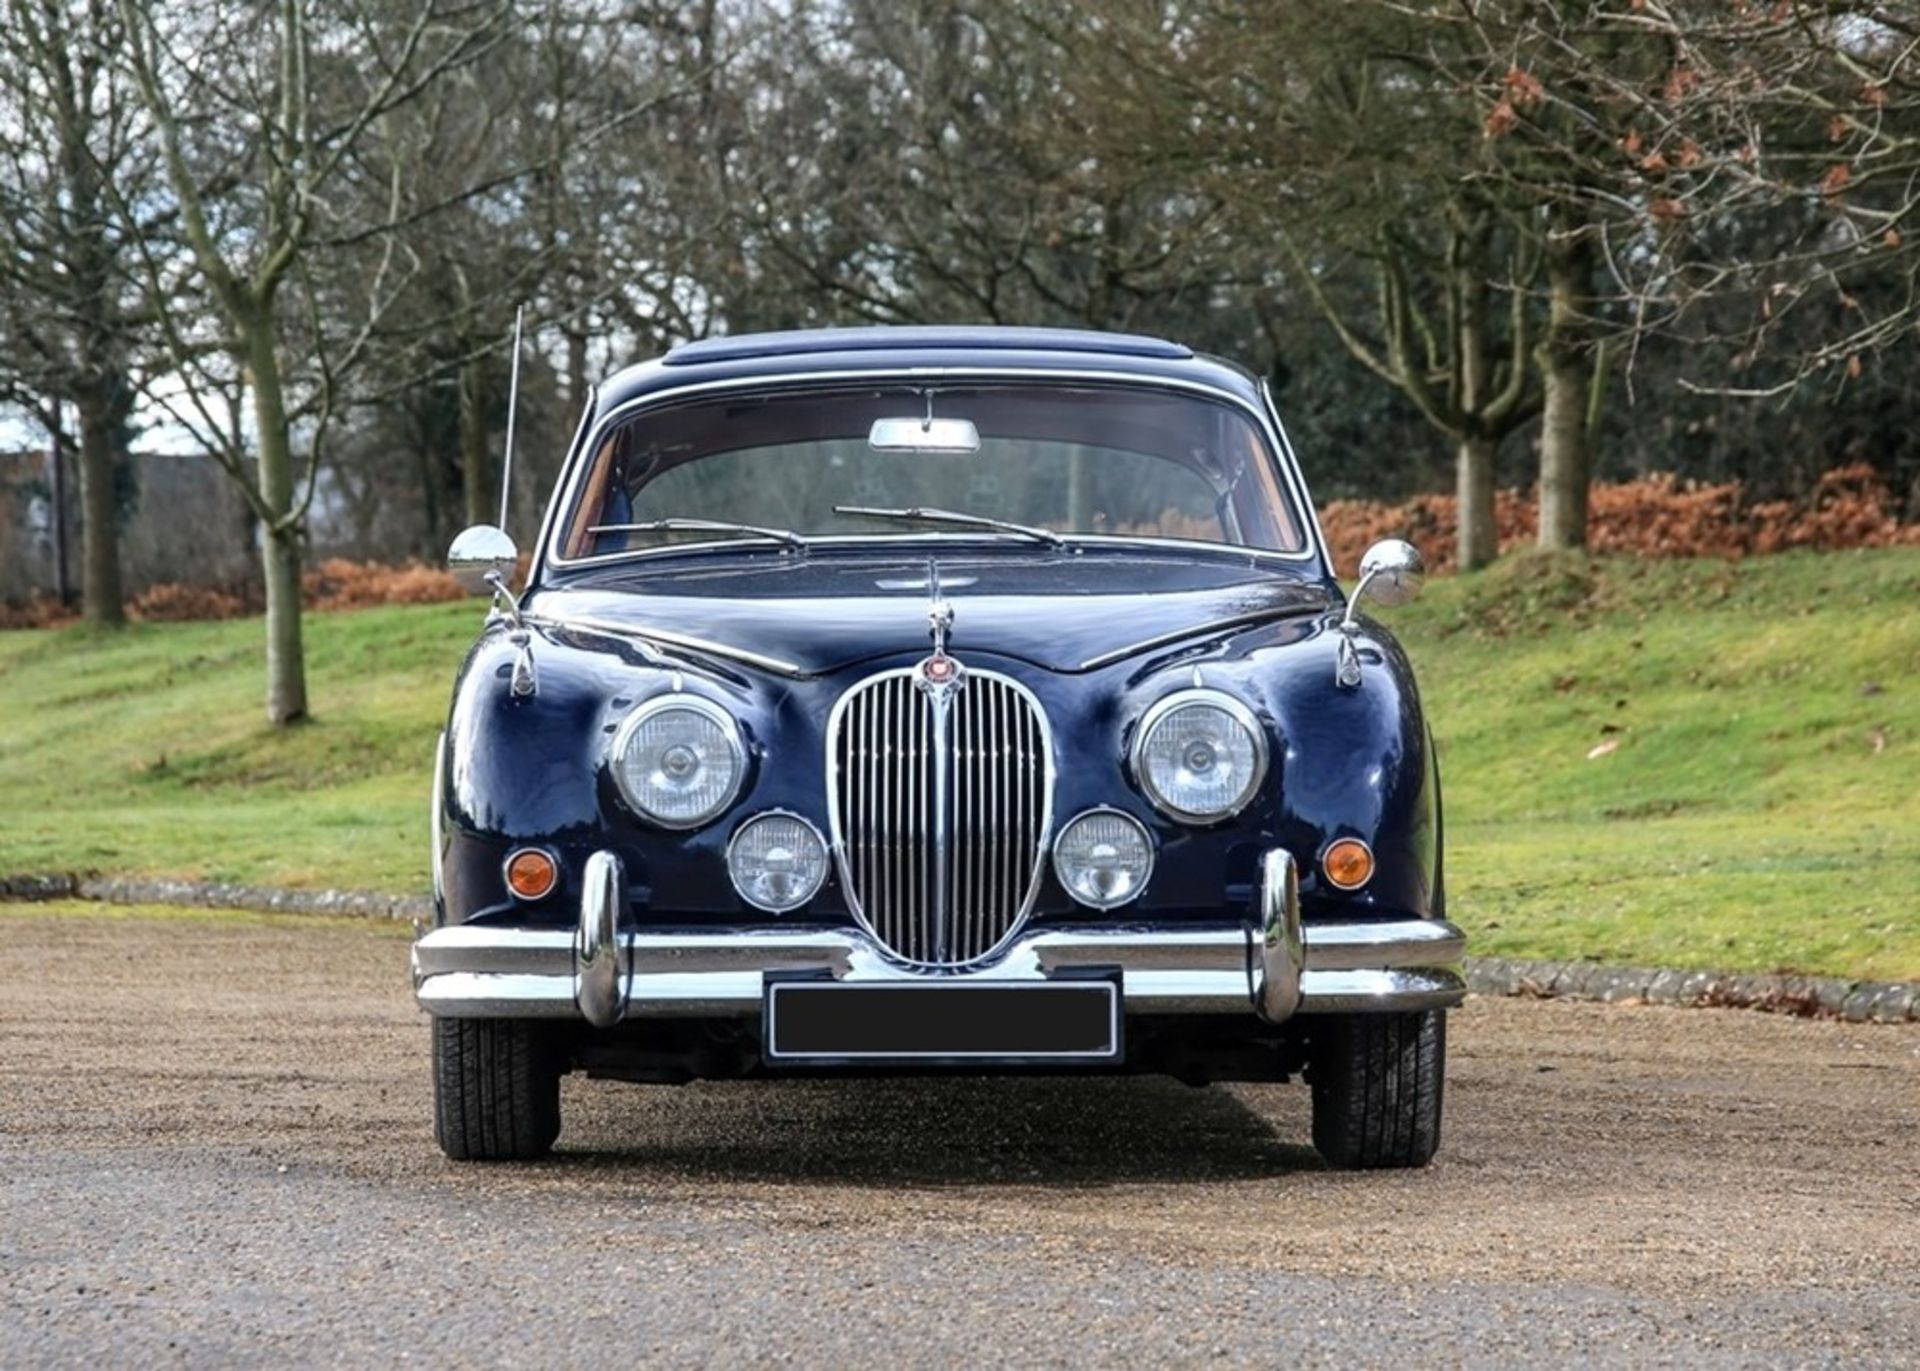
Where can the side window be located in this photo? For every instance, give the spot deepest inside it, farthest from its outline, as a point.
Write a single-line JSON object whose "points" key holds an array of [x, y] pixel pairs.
{"points": [[595, 490]]}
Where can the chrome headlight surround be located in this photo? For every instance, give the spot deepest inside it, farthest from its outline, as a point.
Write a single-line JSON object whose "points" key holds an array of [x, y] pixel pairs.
{"points": [[736, 751], [1236, 715]]}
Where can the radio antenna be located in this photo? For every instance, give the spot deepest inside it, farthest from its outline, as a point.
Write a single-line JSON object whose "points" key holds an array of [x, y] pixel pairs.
{"points": [[513, 405]]}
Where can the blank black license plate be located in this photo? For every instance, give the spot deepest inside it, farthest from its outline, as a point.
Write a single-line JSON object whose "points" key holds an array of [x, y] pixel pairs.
{"points": [[1010, 1022]]}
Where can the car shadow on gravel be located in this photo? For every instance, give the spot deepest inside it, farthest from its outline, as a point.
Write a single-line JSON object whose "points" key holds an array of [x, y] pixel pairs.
{"points": [[942, 1131]]}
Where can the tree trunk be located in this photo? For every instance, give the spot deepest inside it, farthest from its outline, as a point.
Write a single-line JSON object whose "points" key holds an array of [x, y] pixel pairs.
{"points": [[101, 592], [1565, 366], [1478, 543], [1479, 538], [476, 475], [429, 548], [577, 384], [286, 654], [279, 546]]}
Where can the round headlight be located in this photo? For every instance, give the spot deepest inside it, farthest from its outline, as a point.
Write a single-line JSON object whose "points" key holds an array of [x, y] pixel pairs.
{"points": [[777, 861], [678, 760], [1199, 755], [1103, 858]]}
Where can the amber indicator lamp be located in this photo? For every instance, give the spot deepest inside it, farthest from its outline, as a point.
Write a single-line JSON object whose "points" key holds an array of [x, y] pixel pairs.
{"points": [[531, 873], [1348, 863]]}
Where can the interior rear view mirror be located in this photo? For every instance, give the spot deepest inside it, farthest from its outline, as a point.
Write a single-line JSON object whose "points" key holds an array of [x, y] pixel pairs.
{"points": [[923, 434]]}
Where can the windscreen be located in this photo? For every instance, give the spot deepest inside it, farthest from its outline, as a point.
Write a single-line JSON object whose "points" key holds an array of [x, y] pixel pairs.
{"points": [[1112, 460]]}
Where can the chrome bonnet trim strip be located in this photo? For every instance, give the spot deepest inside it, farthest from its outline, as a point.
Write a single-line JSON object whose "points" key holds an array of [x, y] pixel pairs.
{"points": [[1201, 630], [656, 639]]}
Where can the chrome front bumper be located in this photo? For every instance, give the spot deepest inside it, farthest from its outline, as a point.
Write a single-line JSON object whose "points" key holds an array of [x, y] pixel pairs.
{"points": [[605, 970]]}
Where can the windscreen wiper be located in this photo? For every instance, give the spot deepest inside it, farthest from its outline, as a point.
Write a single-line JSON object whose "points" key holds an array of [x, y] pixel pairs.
{"points": [[777, 535], [920, 514]]}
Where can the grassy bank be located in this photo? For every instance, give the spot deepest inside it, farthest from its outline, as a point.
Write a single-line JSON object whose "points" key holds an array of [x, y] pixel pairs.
{"points": [[1753, 804], [147, 750]]}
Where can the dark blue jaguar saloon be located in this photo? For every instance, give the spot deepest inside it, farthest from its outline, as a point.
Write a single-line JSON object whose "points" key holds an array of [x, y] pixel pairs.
{"points": [[935, 700]]}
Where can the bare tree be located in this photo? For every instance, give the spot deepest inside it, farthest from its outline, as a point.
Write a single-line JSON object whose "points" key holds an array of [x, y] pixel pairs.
{"points": [[1334, 145], [1743, 178], [544, 174], [1465, 369], [69, 293], [261, 117]]}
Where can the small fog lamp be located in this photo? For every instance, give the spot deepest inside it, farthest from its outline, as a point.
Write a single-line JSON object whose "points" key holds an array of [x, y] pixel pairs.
{"points": [[778, 861], [1103, 858]]}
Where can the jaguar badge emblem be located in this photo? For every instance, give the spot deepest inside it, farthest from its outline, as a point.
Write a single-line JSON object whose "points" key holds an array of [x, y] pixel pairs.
{"points": [[938, 674]]}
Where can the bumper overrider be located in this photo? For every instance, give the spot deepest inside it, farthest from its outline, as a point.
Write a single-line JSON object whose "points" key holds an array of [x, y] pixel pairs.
{"points": [[606, 969]]}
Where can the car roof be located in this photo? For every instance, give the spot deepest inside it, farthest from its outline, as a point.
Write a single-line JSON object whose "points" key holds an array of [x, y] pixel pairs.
{"points": [[881, 338], [797, 354]]}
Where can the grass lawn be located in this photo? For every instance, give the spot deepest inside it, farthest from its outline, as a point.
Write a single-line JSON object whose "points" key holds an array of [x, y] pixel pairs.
{"points": [[147, 750], [1761, 810], [1758, 806]]}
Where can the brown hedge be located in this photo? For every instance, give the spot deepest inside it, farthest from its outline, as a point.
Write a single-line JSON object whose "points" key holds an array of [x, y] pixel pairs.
{"points": [[1654, 516], [335, 583]]}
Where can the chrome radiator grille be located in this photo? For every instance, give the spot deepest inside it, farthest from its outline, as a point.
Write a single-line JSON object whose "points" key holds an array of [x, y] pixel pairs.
{"points": [[940, 801]]}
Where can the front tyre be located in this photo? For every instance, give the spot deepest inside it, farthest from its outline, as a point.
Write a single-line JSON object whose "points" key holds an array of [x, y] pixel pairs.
{"points": [[496, 1090], [1377, 1081]]}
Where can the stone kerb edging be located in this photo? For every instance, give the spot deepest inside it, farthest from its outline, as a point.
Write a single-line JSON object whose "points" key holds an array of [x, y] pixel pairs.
{"points": [[267, 899], [1808, 996]]}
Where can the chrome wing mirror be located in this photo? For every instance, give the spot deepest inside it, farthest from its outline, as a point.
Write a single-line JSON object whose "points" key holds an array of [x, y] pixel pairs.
{"points": [[483, 559], [1390, 574]]}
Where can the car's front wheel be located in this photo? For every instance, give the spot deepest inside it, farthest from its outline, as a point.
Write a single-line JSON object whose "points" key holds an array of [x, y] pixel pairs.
{"points": [[496, 1090], [1377, 1083]]}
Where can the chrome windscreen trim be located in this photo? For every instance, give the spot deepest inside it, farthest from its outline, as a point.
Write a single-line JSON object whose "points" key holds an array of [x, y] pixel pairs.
{"points": [[551, 513], [1261, 413], [1291, 463]]}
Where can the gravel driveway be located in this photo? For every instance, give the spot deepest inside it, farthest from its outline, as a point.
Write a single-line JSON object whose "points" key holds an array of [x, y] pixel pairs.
{"points": [[214, 1146]]}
